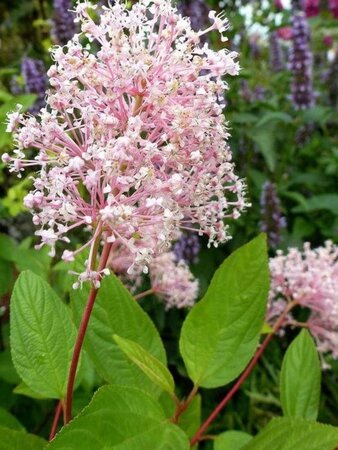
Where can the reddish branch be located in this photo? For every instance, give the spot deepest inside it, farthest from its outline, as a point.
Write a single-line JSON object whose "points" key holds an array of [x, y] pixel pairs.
{"points": [[80, 337], [58, 411]]}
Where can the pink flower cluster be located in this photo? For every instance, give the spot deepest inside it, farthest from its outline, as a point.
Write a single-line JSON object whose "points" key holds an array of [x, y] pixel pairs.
{"points": [[132, 144], [309, 277], [172, 281]]}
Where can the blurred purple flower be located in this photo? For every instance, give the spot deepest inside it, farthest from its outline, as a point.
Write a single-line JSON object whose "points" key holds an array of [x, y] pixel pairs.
{"points": [[272, 221], [187, 248], [197, 10], [276, 53], [14, 86], [63, 21], [34, 73], [300, 63]]}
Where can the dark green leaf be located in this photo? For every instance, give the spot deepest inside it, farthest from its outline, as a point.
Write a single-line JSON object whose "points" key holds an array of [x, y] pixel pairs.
{"points": [[121, 418], [42, 336], [294, 434], [7, 420], [116, 312], [19, 440], [231, 440]]}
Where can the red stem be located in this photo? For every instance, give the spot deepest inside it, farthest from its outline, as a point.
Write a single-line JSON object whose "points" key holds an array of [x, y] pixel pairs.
{"points": [[199, 434], [58, 411], [80, 337]]}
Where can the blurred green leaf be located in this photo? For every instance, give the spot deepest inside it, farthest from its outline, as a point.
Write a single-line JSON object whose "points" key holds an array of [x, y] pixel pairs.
{"points": [[231, 440], [19, 440], [294, 434]]}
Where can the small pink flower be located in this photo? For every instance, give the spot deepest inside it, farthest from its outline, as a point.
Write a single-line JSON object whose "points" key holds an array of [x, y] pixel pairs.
{"points": [[333, 6], [279, 4], [285, 33], [328, 40], [311, 8]]}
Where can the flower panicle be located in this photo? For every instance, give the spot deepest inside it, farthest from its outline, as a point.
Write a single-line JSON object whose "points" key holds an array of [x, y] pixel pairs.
{"points": [[132, 143]]}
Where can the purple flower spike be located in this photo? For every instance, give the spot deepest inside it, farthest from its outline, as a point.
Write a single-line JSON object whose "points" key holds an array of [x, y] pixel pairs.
{"points": [[272, 220], [300, 63], [63, 21], [34, 73]]}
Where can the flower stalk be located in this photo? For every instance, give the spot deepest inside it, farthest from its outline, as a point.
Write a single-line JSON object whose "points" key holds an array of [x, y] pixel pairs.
{"points": [[81, 334]]}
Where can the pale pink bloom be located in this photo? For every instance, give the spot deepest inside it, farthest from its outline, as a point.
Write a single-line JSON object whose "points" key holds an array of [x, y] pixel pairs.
{"points": [[309, 277], [173, 282], [132, 145], [284, 33]]}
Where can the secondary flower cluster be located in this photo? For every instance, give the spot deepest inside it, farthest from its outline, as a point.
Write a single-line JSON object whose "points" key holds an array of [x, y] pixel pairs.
{"points": [[132, 144], [309, 277], [172, 281], [300, 63]]}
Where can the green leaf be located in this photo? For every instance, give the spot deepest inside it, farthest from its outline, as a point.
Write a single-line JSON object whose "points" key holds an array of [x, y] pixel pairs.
{"points": [[274, 116], [7, 420], [265, 138], [300, 378], [5, 277], [23, 389], [149, 365], [221, 332], [231, 440], [116, 312], [42, 336], [327, 202], [38, 261], [19, 440], [7, 370], [294, 434], [121, 418], [7, 248], [26, 100], [266, 328]]}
